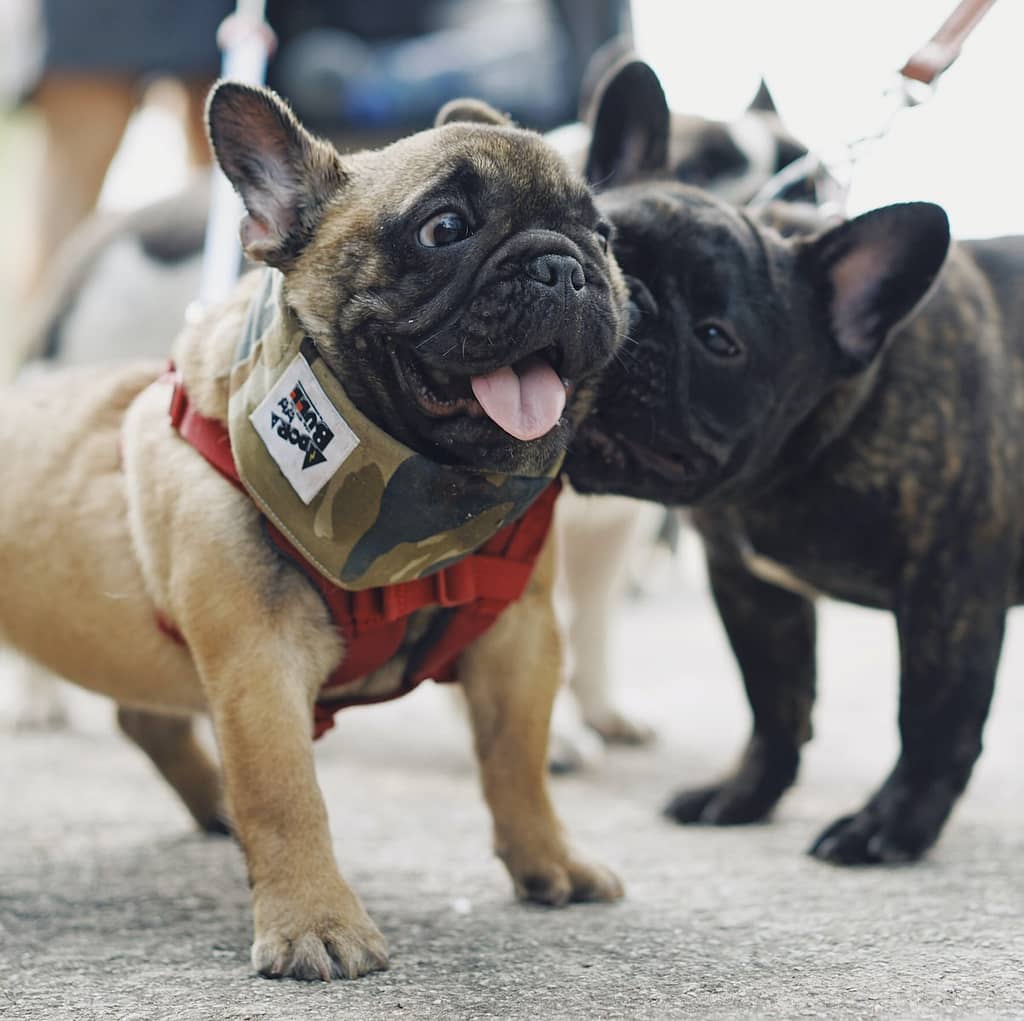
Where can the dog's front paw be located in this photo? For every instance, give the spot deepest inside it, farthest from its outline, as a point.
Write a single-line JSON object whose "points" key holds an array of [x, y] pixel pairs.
{"points": [[865, 839], [326, 945], [747, 796], [715, 805], [870, 838], [898, 824], [726, 804], [564, 878]]}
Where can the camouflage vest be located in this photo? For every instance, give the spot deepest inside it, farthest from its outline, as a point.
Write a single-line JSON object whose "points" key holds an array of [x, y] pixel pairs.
{"points": [[361, 507]]}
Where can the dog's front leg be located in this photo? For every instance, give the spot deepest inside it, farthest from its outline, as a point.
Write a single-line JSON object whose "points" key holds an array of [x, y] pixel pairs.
{"points": [[950, 618], [308, 922], [599, 536], [263, 646], [510, 677], [772, 632]]}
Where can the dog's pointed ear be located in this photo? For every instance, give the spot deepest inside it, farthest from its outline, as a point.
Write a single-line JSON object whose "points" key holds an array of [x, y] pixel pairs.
{"points": [[629, 120], [472, 111], [873, 271], [283, 174], [763, 101]]}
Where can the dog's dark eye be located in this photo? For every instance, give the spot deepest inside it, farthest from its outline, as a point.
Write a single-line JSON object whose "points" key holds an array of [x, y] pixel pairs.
{"points": [[604, 233], [716, 340], [443, 229]]}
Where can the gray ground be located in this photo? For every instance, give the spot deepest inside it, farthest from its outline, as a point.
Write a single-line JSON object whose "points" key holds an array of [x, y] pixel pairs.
{"points": [[111, 908]]}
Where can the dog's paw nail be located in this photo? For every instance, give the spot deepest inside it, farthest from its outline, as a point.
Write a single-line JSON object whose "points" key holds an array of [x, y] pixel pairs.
{"points": [[691, 806], [596, 883], [342, 952], [876, 847], [552, 888], [857, 840], [349, 961], [572, 880], [823, 848], [310, 961]]}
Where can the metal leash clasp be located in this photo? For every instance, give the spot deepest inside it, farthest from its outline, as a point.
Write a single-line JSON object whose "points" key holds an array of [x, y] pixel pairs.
{"points": [[832, 170], [913, 85]]}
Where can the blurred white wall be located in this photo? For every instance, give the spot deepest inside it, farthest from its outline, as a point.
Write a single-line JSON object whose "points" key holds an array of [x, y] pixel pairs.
{"points": [[827, 63]]}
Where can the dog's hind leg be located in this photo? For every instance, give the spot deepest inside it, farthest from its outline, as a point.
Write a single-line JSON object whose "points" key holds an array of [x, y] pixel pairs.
{"points": [[170, 741], [950, 620], [772, 632], [598, 537], [510, 676]]}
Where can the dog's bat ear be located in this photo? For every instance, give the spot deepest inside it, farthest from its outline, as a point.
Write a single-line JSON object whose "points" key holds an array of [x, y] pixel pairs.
{"points": [[873, 271], [629, 120], [763, 102], [473, 111], [283, 174]]}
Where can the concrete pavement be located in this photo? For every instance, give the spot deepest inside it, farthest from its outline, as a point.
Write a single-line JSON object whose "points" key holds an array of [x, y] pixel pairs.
{"points": [[111, 908]]}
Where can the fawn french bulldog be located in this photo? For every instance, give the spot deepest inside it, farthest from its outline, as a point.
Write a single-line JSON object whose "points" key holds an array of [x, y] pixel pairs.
{"points": [[387, 401]]}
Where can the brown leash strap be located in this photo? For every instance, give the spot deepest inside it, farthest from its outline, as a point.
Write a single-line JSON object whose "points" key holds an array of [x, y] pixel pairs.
{"points": [[943, 48]]}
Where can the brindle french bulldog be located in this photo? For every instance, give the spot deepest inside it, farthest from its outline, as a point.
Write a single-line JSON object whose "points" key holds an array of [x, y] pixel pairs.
{"points": [[459, 283], [827, 443]]}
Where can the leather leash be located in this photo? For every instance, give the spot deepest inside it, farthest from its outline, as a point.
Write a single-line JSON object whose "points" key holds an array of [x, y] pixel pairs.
{"points": [[915, 83], [939, 53]]}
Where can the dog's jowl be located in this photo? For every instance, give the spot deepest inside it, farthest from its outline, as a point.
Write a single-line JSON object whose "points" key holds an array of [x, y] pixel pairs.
{"points": [[344, 488], [840, 403]]}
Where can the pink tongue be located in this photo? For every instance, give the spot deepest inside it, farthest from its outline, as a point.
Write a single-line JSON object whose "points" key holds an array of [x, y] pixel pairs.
{"points": [[526, 404]]}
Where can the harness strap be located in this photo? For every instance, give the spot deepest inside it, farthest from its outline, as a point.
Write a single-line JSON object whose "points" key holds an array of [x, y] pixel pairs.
{"points": [[207, 435], [480, 576], [373, 622]]}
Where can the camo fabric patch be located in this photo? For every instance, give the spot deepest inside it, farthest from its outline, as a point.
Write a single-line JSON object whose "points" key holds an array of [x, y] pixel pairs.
{"points": [[363, 508]]}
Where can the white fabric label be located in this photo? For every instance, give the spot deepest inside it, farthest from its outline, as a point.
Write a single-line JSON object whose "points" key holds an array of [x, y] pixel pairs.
{"points": [[302, 430]]}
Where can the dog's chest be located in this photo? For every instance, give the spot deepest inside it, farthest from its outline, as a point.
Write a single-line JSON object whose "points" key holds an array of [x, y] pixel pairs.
{"points": [[827, 555], [390, 680]]}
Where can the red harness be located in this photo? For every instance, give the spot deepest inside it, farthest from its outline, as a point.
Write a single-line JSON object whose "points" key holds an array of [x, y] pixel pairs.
{"points": [[473, 591]]}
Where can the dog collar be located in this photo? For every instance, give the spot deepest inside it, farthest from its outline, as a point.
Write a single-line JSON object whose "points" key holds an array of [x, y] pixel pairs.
{"points": [[360, 506]]}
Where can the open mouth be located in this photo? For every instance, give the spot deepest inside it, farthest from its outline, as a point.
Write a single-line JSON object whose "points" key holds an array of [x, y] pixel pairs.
{"points": [[525, 399]]}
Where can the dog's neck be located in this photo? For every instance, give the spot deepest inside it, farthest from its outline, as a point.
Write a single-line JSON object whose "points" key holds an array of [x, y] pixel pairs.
{"points": [[205, 350], [801, 449], [826, 424], [362, 508]]}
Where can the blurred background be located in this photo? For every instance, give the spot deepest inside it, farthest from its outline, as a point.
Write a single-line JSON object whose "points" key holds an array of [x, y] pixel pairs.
{"points": [[121, 83], [827, 65]]}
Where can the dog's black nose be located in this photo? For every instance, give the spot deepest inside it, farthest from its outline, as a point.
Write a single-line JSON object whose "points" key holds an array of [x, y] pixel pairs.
{"points": [[556, 271]]}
